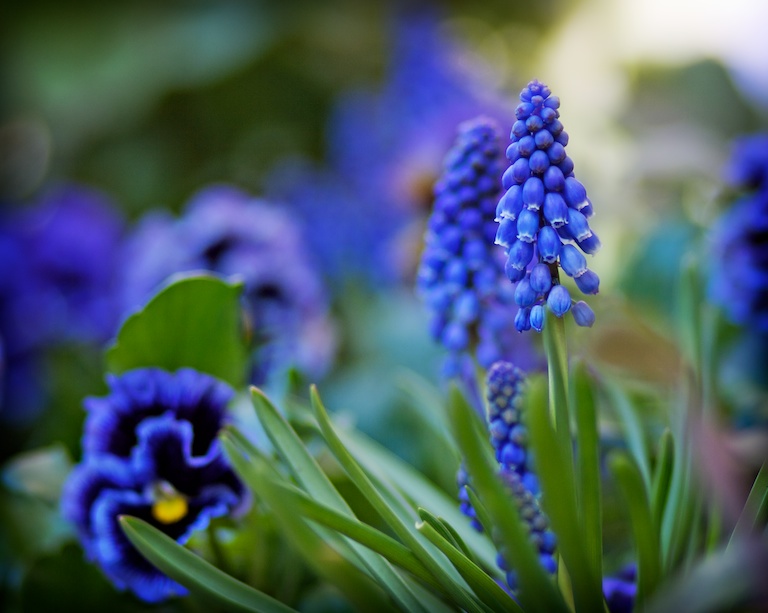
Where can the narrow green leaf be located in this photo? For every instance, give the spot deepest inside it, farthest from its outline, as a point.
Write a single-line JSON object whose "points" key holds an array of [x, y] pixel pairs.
{"points": [[482, 584], [662, 476], [560, 503], [588, 466], [630, 481], [302, 504], [392, 472], [312, 478], [557, 369], [407, 533], [537, 590], [631, 424], [755, 510], [194, 322], [193, 572]]}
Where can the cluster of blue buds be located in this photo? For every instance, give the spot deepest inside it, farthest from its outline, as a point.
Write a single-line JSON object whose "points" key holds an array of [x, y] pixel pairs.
{"points": [[739, 279], [460, 273], [620, 590], [150, 451], [543, 216], [509, 439]]}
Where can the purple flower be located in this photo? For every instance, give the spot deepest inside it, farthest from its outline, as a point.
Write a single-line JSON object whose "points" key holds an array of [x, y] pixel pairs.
{"points": [[620, 591], [386, 145], [739, 261], [150, 451], [461, 274], [543, 215], [228, 232], [58, 285]]}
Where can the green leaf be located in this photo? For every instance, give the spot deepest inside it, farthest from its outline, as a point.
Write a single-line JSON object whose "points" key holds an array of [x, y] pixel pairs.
{"points": [[392, 472], [311, 477], [588, 465], [537, 590], [632, 425], [560, 502], [483, 585], [755, 511], [193, 322], [662, 476], [195, 573], [630, 482], [405, 532]]}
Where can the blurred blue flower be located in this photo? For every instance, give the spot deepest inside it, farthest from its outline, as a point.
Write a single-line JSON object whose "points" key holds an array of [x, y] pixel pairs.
{"points": [[228, 232], [461, 276], [150, 451], [620, 590], [543, 215], [739, 275], [385, 152], [60, 260]]}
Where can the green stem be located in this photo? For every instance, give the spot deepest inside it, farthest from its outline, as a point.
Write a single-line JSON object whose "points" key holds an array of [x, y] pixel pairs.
{"points": [[219, 558]]}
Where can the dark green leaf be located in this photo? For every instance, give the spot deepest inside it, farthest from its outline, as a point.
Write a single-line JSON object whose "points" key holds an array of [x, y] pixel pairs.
{"points": [[193, 322], [645, 533], [312, 478], [449, 581], [195, 573], [662, 476]]}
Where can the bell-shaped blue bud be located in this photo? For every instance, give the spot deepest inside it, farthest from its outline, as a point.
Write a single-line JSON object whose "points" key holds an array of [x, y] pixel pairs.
{"points": [[572, 261], [518, 258], [591, 244], [574, 193], [539, 162], [537, 317], [556, 153], [455, 336], [467, 307], [548, 244], [527, 225], [544, 139], [533, 193], [510, 204], [526, 146], [578, 226], [525, 296], [507, 232], [559, 300], [541, 278], [582, 314], [523, 319], [520, 171], [588, 283], [555, 210], [554, 180]]}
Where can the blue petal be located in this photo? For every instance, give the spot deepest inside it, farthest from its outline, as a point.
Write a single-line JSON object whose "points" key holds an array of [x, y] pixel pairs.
{"points": [[559, 300], [582, 314]]}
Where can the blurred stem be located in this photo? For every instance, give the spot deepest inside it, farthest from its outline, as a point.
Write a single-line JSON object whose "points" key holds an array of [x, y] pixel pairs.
{"points": [[219, 558]]}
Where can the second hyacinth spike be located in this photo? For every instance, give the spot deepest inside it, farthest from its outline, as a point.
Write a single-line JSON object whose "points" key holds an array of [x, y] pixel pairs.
{"points": [[543, 216]]}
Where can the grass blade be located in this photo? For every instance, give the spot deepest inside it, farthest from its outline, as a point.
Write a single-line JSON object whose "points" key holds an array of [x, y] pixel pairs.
{"points": [[588, 466], [407, 533], [485, 587], [193, 572], [662, 477], [645, 533], [755, 509]]}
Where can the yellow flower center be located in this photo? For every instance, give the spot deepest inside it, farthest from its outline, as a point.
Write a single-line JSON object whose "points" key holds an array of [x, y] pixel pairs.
{"points": [[170, 506]]}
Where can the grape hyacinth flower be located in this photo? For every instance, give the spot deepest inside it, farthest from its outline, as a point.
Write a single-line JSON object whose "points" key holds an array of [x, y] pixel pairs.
{"points": [[461, 275], [509, 439], [543, 216], [620, 591], [228, 232], [739, 280], [150, 451]]}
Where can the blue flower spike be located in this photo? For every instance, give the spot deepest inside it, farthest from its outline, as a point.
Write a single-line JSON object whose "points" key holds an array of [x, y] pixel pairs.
{"points": [[506, 384], [544, 215], [461, 276]]}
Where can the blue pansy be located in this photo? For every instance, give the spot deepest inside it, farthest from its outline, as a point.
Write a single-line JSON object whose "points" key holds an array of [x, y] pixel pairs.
{"points": [[543, 215], [60, 260], [461, 277], [228, 232], [150, 451]]}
